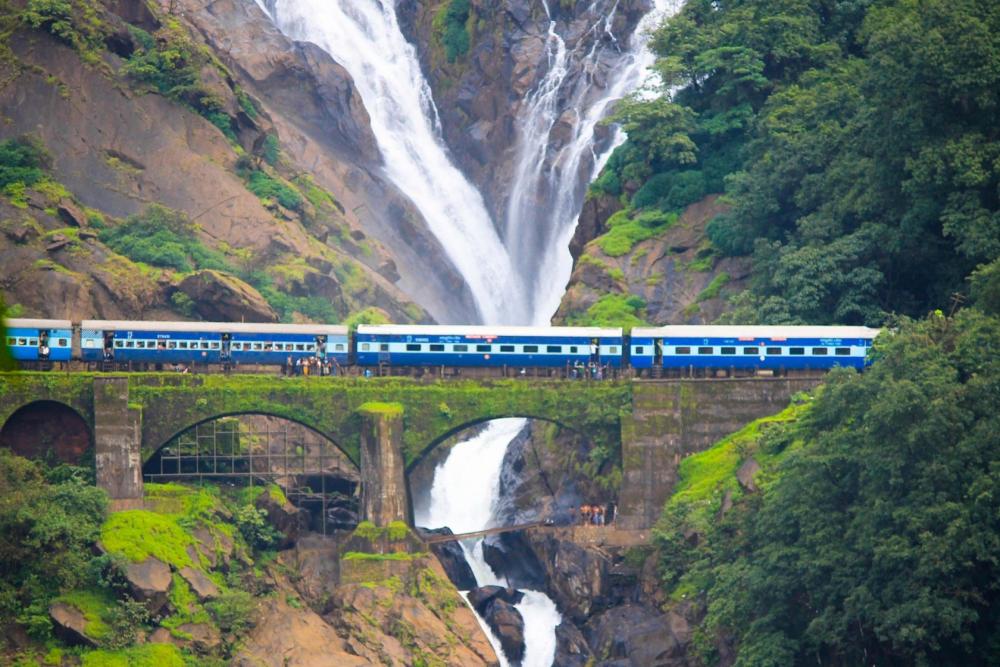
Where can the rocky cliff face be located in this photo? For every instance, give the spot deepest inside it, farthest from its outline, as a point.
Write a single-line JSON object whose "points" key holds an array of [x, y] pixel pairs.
{"points": [[482, 94], [674, 277], [259, 142]]}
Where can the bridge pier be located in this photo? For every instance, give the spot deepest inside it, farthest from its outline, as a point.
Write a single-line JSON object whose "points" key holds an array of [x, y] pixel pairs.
{"points": [[384, 495], [117, 438]]}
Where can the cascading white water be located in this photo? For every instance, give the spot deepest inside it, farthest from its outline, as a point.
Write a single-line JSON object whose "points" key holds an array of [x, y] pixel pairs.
{"points": [[465, 502], [364, 37], [547, 188]]}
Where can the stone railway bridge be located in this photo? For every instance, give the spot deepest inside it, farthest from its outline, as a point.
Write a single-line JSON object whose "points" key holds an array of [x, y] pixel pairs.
{"points": [[386, 425]]}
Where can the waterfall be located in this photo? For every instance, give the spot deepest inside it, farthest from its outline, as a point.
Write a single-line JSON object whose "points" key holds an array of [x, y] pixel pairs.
{"points": [[544, 203], [364, 37], [548, 185], [465, 502]]}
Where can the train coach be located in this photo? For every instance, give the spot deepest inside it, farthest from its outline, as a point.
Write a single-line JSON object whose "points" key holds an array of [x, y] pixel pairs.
{"points": [[210, 342], [40, 340], [772, 348], [487, 346]]}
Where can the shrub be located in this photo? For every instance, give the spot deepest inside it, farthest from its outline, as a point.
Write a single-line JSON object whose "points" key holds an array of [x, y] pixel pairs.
{"points": [[269, 187], [162, 237], [232, 611], [449, 26], [625, 231], [255, 528], [22, 160]]}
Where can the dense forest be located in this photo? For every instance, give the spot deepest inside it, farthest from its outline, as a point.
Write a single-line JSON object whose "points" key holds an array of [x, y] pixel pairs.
{"points": [[857, 143]]}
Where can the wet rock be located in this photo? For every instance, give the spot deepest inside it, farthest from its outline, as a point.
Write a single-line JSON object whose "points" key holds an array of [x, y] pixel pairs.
{"points": [[290, 520], [482, 596], [639, 636], [746, 474], [453, 560], [202, 586], [511, 557], [221, 297], [577, 576], [56, 242], [69, 624], [149, 582], [571, 647], [496, 606]]}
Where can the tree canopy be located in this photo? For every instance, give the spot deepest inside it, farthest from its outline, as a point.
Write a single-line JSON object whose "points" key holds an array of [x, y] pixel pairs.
{"points": [[858, 143]]}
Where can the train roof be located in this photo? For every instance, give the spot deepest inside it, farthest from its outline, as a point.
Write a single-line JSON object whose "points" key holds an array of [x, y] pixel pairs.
{"points": [[28, 323], [485, 331], [755, 331], [214, 327]]}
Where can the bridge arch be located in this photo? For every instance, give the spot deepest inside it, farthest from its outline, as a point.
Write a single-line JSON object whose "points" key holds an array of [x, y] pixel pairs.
{"points": [[149, 449], [48, 430], [478, 420]]}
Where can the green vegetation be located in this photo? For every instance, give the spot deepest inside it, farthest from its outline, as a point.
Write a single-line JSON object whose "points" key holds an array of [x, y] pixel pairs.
{"points": [[23, 160], [450, 28], [162, 237], [395, 556], [146, 655], [379, 408], [272, 188], [877, 524], [74, 22], [626, 228], [139, 534], [613, 310], [714, 287], [855, 142], [48, 529]]}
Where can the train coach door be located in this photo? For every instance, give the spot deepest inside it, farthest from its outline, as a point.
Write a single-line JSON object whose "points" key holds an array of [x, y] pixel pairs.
{"points": [[43, 344], [227, 346], [321, 347], [658, 352], [109, 345], [595, 350]]}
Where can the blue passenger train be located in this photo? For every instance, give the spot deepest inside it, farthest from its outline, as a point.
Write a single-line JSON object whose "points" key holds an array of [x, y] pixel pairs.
{"points": [[750, 347], [487, 346], [670, 349]]}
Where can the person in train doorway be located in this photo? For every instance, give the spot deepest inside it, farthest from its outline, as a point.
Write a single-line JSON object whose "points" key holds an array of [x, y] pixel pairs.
{"points": [[595, 351], [289, 368]]}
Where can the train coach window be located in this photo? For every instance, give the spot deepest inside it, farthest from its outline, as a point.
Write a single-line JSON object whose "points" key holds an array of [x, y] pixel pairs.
{"points": [[236, 347], [459, 348], [749, 351], [413, 347], [215, 346], [339, 347], [530, 349], [639, 349], [553, 348], [62, 342], [729, 350], [843, 351], [365, 347], [382, 347], [204, 344], [614, 349], [118, 343], [300, 347], [11, 342], [33, 342], [797, 351], [506, 348], [706, 350], [572, 349], [437, 347], [774, 351], [820, 351], [171, 345], [684, 350], [484, 348]]}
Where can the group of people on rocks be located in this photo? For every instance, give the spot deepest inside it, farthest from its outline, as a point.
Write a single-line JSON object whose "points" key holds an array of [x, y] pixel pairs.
{"points": [[596, 515], [309, 366]]}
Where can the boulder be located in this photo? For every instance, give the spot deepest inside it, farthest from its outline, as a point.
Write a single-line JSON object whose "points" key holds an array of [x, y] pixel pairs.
{"points": [[69, 624], [746, 474], [71, 214], [495, 605], [286, 517], [204, 637], [512, 558], [577, 577], [481, 597], [221, 297], [637, 635], [571, 647], [453, 560], [149, 582], [202, 586]]}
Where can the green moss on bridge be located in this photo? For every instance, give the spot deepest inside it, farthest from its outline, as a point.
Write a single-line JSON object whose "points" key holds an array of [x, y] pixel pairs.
{"points": [[171, 403]]}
